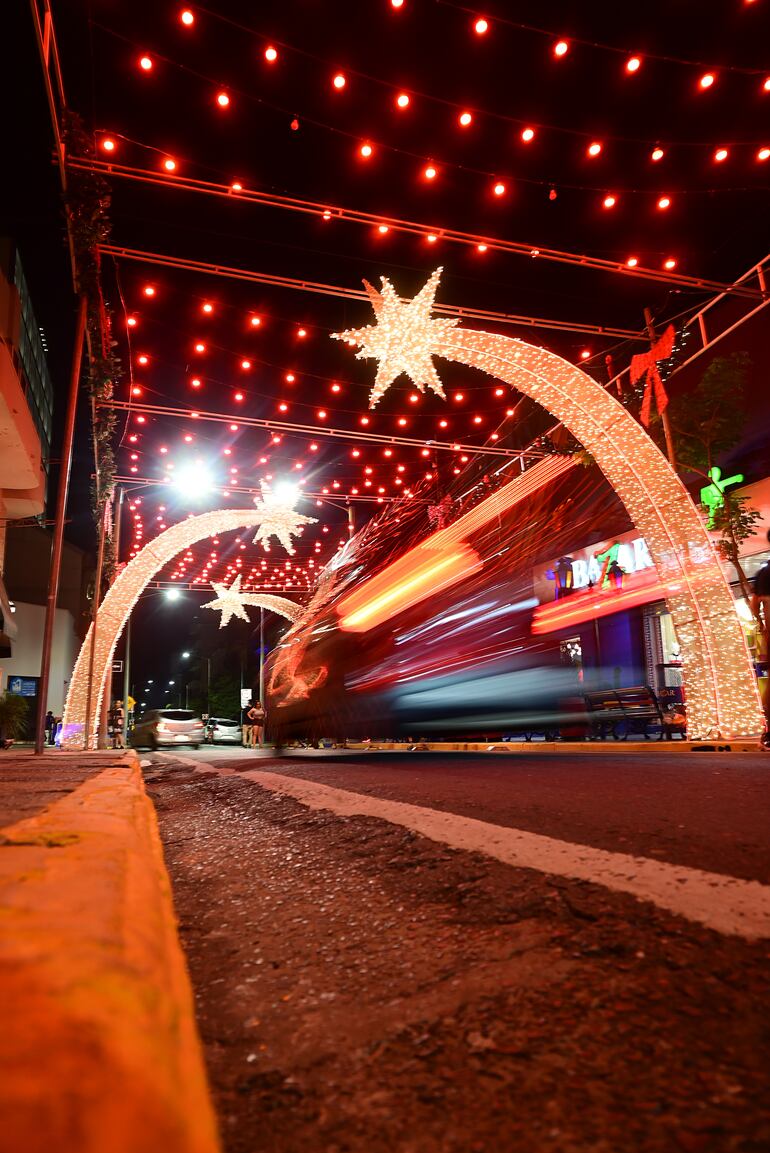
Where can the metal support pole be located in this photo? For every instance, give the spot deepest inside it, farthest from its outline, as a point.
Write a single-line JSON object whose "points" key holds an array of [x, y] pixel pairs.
{"points": [[262, 664], [351, 520], [664, 415], [94, 623], [104, 712], [126, 680], [208, 686], [58, 532]]}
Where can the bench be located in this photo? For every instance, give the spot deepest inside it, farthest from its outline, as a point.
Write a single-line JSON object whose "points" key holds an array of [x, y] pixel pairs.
{"points": [[619, 712]]}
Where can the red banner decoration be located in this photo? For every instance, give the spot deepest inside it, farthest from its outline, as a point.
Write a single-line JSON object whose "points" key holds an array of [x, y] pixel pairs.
{"points": [[646, 364]]}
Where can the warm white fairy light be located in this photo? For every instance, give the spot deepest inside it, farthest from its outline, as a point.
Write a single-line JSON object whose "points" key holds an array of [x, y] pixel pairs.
{"points": [[278, 518], [119, 602], [722, 696], [404, 338], [230, 601]]}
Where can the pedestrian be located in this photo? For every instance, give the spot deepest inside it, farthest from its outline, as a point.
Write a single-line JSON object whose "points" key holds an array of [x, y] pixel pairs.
{"points": [[246, 724], [50, 725], [760, 606], [256, 716], [117, 718]]}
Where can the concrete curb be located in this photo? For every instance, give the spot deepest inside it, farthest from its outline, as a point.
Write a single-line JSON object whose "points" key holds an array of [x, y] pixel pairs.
{"points": [[100, 1049]]}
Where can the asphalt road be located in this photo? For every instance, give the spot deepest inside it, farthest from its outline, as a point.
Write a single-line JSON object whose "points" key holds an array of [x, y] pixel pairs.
{"points": [[365, 988], [704, 810]]}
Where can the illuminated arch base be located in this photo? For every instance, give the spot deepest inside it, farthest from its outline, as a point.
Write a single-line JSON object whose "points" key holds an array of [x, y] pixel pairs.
{"points": [[722, 696], [120, 600]]}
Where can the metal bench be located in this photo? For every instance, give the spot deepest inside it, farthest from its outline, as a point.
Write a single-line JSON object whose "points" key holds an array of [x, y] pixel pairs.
{"points": [[620, 712]]}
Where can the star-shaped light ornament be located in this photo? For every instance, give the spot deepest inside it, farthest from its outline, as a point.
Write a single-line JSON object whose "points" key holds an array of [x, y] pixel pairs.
{"points": [[404, 338], [230, 601], [278, 518]]}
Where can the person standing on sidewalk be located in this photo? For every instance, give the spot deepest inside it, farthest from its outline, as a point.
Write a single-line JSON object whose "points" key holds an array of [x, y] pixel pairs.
{"points": [[246, 724], [760, 606], [256, 717], [50, 724]]}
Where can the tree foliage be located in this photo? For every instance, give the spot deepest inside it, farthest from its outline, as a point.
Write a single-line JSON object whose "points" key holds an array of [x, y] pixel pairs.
{"points": [[707, 423]]}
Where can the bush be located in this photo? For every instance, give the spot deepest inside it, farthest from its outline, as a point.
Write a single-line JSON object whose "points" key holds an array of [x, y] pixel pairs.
{"points": [[13, 716]]}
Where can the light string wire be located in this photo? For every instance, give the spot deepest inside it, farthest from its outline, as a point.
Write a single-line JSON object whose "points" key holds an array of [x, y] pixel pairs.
{"points": [[313, 208]]}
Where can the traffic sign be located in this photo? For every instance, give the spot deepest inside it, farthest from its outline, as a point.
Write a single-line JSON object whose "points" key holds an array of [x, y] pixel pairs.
{"points": [[117, 666]]}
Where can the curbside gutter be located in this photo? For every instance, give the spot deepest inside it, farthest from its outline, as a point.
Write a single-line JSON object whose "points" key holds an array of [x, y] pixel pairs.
{"points": [[100, 1052]]}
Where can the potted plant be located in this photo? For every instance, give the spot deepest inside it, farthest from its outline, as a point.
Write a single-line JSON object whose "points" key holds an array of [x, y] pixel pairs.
{"points": [[13, 716]]}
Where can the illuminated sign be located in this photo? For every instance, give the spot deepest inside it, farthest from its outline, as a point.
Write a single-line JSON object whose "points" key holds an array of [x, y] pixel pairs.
{"points": [[603, 566]]}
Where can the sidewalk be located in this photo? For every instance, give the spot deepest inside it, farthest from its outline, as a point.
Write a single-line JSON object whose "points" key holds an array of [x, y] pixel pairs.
{"points": [[100, 1049]]}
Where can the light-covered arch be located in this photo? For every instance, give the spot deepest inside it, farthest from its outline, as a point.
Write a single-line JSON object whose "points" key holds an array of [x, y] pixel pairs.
{"points": [[722, 695], [117, 605]]}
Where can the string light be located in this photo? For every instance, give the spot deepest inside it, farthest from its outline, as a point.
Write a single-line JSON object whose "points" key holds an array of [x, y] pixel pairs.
{"points": [[706, 80], [610, 201], [402, 100], [594, 149], [763, 154], [561, 48], [108, 144], [169, 164], [223, 100], [664, 202], [366, 151], [430, 172], [271, 54], [766, 85], [657, 154], [669, 264], [720, 155], [339, 81], [145, 63], [634, 64], [527, 134], [499, 188], [187, 17], [632, 261], [465, 119]]}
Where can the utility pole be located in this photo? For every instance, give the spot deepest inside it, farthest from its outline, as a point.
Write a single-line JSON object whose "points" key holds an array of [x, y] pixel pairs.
{"points": [[664, 415], [104, 712], [91, 717], [126, 680], [58, 532]]}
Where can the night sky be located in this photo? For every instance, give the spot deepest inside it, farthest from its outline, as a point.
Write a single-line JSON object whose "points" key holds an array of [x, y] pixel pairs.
{"points": [[507, 126]]}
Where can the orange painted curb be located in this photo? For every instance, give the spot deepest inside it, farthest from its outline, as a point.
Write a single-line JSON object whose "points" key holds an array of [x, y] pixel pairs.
{"points": [[100, 1052]]}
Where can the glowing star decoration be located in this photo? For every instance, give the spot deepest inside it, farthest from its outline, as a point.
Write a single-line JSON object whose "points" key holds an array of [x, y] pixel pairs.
{"points": [[229, 601], [278, 518], [404, 339]]}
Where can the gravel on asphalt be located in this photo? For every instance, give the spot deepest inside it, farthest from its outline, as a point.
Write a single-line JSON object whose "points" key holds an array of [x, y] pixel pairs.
{"points": [[361, 989]]}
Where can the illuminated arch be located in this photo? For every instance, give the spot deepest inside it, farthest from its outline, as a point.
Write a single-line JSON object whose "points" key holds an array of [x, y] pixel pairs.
{"points": [[722, 695], [123, 595]]}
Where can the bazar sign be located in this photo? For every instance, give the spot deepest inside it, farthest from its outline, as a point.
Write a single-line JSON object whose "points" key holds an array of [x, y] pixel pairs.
{"points": [[600, 565]]}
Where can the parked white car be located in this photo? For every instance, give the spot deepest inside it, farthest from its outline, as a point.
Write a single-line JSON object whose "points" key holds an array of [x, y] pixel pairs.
{"points": [[223, 730]]}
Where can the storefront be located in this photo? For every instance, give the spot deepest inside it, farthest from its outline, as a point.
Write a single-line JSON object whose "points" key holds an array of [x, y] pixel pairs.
{"points": [[606, 607]]}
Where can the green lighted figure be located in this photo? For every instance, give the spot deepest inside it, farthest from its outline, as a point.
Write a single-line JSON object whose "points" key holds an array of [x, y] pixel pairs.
{"points": [[712, 496]]}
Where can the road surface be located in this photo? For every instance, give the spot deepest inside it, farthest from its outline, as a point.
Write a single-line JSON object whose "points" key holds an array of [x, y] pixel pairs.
{"points": [[362, 987]]}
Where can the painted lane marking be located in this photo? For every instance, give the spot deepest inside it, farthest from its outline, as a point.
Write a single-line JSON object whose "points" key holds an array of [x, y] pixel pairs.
{"points": [[726, 904]]}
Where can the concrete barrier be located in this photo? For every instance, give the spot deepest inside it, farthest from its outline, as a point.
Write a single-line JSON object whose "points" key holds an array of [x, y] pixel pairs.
{"points": [[99, 1051]]}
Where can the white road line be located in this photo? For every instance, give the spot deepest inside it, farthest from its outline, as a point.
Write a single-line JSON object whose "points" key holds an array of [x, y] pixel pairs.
{"points": [[727, 904]]}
